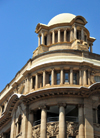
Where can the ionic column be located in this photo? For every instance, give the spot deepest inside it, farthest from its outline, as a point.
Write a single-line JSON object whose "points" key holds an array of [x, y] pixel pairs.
{"points": [[64, 35], [24, 124], [43, 122], [82, 34], [80, 77], [84, 77], [61, 121], [39, 40], [61, 76], [36, 83], [71, 76], [75, 32], [42, 38], [12, 127], [30, 124], [48, 39], [88, 77], [71, 35], [59, 35], [81, 121], [53, 37], [44, 78], [52, 77]]}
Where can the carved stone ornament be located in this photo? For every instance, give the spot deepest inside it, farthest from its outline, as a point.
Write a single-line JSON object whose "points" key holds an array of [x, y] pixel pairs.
{"points": [[72, 128], [36, 131], [52, 129]]}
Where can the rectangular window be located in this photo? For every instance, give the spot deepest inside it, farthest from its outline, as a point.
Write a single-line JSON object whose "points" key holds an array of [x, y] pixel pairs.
{"points": [[50, 79], [33, 83], [66, 77], [74, 78], [58, 78]]}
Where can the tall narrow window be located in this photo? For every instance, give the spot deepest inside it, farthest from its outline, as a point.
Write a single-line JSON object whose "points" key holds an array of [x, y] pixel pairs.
{"points": [[34, 82], [62, 36], [58, 78], [68, 36], [19, 124], [2, 108], [79, 34], [66, 77], [50, 79], [45, 40], [56, 37], [74, 78], [50, 38]]}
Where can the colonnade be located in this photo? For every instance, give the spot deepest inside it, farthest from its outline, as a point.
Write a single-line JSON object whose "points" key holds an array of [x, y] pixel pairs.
{"points": [[66, 37], [62, 122], [41, 80]]}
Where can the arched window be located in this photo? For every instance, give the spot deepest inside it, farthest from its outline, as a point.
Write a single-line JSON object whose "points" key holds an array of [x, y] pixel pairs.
{"points": [[19, 124], [99, 114]]}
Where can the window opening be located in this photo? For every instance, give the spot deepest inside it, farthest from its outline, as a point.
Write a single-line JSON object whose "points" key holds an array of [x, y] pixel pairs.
{"points": [[50, 79], [66, 77], [74, 78], [19, 124], [58, 78], [99, 114], [34, 82], [45, 40]]}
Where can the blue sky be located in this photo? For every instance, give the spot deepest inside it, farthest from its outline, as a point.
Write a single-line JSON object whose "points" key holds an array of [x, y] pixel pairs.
{"points": [[18, 19]]}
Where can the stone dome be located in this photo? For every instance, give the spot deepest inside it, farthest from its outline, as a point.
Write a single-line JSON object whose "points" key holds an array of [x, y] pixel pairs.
{"points": [[61, 18]]}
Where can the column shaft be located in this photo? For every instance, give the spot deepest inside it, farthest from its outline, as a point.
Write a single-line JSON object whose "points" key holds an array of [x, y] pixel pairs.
{"points": [[30, 125], [82, 34], [36, 81], [81, 122], [80, 77], [24, 125], [43, 123], [61, 122], [39, 40], [52, 77], [61, 76], [42, 38], [74, 32], [71, 76], [64, 35], [59, 35], [84, 77], [91, 48], [12, 127], [48, 39], [44, 78], [88, 77], [53, 37]]}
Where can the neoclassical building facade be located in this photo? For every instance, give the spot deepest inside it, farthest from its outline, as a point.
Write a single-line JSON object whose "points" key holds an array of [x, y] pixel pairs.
{"points": [[57, 92]]}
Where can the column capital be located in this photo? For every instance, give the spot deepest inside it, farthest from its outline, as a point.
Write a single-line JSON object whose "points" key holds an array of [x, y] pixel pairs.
{"points": [[81, 105], [43, 107], [62, 104]]}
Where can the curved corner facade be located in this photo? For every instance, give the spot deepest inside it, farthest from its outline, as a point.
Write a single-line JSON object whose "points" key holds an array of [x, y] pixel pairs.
{"points": [[56, 93]]}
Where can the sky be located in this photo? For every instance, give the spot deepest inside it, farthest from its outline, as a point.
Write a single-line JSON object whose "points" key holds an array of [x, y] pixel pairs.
{"points": [[18, 20]]}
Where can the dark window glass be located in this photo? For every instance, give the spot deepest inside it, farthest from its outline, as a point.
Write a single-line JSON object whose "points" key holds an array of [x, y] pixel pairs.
{"points": [[74, 78], [66, 77], [19, 124], [50, 79], [45, 40], [34, 82], [58, 78]]}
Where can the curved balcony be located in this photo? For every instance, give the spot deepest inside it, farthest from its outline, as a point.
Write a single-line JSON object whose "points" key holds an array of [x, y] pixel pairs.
{"points": [[54, 119]]}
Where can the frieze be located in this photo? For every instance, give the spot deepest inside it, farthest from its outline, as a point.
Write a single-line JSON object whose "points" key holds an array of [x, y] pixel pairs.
{"points": [[36, 131], [72, 128], [52, 129]]}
